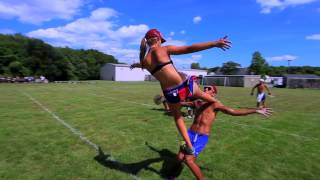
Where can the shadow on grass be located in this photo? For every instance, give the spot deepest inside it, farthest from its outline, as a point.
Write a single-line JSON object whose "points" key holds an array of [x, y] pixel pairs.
{"points": [[166, 156], [130, 168], [169, 160]]}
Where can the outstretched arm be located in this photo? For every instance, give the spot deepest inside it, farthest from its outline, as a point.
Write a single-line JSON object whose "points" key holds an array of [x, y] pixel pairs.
{"points": [[222, 43], [135, 65], [187, 104], [242, 112]]}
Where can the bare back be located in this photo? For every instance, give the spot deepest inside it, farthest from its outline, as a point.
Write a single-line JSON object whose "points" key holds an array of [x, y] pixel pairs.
{"points": [[167, 75]]}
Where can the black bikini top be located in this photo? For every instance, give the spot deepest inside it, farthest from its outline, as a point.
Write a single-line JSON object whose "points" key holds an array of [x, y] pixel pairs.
{"points": [[160, 66]]}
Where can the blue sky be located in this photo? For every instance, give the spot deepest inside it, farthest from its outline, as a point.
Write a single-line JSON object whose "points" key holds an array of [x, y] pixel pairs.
{"points": [[279, 29]]}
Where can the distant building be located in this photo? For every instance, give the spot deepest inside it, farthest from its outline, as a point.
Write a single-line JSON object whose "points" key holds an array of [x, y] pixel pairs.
{"points": [[276, 81], [122, 72], [238, 71], [232, 80], [242, 71], [302, 81], [193, 72]]}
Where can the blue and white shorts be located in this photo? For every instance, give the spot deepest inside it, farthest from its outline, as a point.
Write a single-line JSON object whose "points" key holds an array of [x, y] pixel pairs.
{"points": [[198, 141], [261, 97]]}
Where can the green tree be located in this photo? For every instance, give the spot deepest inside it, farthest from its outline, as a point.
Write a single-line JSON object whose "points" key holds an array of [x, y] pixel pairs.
{"points": [[213, 69], [195, 66], [16, 68], [230, 67], [258, 64]]}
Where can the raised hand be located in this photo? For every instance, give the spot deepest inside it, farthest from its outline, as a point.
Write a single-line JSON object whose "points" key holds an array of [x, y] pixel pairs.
{"points": [[224, 43], [134, 65], [267, 112]]}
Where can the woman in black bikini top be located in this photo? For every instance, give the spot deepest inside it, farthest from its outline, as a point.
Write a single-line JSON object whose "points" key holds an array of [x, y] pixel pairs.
{"points": [[175, 88]]}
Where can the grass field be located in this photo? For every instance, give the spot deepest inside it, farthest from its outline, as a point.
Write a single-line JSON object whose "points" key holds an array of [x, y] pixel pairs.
{"points": [[37, 142]]}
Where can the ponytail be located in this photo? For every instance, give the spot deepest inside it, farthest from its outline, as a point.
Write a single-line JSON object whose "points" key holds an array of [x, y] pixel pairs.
{"points": [[143, 49]]}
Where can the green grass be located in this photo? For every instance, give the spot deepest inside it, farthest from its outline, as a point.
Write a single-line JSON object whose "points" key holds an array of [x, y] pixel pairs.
{"points": [[121, 118]]}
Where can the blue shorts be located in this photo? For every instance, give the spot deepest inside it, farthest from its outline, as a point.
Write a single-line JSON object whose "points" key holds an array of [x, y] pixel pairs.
{"points": [[181, 92], [261, 97], [198, 141]]}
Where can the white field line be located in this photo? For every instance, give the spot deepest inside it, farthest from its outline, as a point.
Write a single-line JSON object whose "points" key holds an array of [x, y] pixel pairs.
{"points": [[73, 130], [239, 124]]}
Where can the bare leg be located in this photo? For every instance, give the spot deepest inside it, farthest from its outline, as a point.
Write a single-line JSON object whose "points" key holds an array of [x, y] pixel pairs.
{"points": [[190, 161], [197, 93], [166, 106], [178, 118], [177, 168]]}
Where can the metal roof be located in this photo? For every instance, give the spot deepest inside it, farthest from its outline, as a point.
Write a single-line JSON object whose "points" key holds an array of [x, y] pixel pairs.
{"points": [[305, 76]]}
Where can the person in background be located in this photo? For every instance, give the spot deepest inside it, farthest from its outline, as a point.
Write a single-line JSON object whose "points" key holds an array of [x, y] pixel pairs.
{"points": [[261, 94]]}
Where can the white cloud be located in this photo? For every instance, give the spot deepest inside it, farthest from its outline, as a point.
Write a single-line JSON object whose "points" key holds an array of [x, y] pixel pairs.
{"points": [[172, 33], [38, 11], [99, 31], [282, 58], [268, 5], [169, 40], [313, 37], [185, 63], [196, 57], [197, 19], [182, 32]]}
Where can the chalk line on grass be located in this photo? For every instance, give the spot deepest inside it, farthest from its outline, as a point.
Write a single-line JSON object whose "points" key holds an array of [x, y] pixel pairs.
{"points": [[73, 130], [239, 124]]}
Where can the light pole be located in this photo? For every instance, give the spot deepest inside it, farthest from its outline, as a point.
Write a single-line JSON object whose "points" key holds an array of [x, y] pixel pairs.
{"points": [[289, 65]]}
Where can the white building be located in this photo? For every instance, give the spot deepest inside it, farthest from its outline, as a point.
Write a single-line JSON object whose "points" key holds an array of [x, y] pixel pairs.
{"points": [[122, 72], [193, 72]]}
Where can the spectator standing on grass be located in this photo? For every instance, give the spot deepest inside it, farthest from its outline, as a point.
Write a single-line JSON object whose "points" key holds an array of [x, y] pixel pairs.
{"points": [[200, 129], [156, 59], [261, 94]]}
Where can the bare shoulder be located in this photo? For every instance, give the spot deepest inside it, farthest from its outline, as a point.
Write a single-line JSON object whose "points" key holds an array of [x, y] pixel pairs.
{"points": [[217, 105], [175, 50]]}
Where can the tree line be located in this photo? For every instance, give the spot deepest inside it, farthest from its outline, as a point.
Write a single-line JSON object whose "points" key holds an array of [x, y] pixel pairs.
{"points": [[24, 56], [260, 66]]}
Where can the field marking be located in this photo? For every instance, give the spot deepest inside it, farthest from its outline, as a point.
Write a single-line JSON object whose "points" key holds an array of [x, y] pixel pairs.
{"points": [[73, 130], [239, 124]]}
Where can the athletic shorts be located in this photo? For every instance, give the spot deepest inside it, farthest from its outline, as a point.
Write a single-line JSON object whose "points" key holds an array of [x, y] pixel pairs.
{"points": [[261, 97], [198, 141], [181, 92]]}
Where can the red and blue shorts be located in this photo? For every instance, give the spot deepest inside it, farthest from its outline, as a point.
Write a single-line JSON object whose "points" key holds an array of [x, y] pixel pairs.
{"points": [[180, 92]]}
